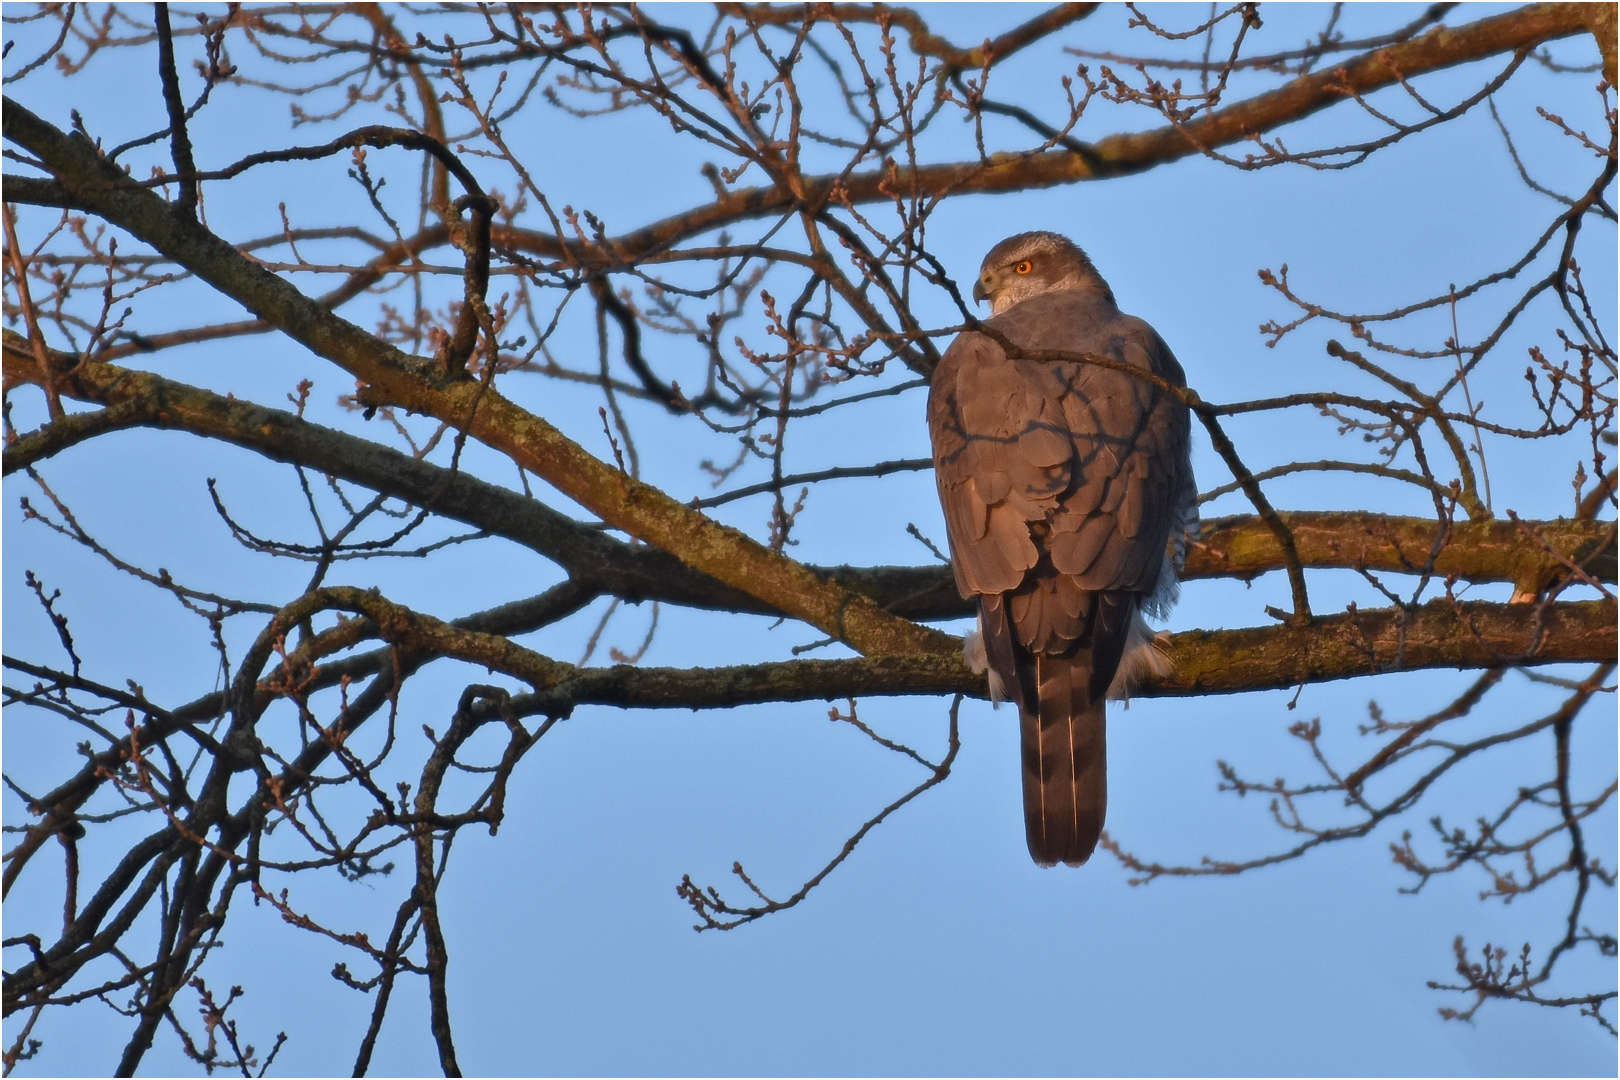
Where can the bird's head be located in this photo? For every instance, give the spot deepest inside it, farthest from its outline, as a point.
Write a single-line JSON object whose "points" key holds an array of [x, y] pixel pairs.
{"points": [[1030, 264]]}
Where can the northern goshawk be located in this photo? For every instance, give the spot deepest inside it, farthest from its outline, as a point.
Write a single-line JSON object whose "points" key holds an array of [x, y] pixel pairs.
{"points": [[1063, 484]]}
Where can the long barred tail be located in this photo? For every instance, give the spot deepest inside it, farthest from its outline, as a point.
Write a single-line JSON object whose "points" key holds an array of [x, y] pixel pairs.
{"points": [[1065, 763], [1060, 711]]}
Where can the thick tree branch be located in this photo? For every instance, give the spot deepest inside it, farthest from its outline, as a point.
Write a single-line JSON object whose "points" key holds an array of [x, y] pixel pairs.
{"points": [[393, 378], [1241, 547], [1128, 153], [1340, 646], [1345, 645]]}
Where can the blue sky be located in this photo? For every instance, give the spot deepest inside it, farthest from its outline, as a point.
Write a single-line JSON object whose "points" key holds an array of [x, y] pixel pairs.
{"points": [[938, 948]]}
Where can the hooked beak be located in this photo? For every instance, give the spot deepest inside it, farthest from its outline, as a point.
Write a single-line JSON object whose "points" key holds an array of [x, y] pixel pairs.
{"points": [[979, 293]]}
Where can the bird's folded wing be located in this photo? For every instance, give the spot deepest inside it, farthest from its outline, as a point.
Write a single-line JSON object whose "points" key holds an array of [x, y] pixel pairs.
{"points": [[1089, 455]]}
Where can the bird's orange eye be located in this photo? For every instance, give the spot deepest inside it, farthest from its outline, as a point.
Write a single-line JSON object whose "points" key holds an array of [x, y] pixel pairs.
{"points": [[1023, 267]]}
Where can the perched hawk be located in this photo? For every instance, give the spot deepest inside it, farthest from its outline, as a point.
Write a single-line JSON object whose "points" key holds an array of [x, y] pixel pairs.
{"points": [[1064, 485]]}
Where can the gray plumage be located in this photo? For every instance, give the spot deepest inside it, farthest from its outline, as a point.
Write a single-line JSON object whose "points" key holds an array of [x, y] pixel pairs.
{"points": [[1063, 485]]}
